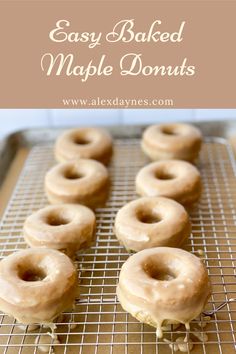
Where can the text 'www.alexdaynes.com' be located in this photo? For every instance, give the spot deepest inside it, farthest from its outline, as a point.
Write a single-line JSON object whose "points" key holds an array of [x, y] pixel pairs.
{"points": [[117, 102]]}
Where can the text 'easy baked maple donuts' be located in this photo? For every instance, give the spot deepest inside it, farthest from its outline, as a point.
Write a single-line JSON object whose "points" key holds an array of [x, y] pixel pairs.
{"points": [[65, 227], [82, 181], [84, 143], [150, 222], [163, 285], [175, 179], [172, 141], [36, 285]]}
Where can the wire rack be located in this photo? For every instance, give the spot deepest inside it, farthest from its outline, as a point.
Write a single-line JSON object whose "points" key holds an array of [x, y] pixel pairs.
{"points": [[102, 325]]}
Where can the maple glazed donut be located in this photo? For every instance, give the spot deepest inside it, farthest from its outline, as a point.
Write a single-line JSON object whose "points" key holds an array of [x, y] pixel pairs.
{"points": [[65, 227], [82, 181], [163, 285], [150, 222], [172, 141], [84, 143], [36, 285], [175, 179]]}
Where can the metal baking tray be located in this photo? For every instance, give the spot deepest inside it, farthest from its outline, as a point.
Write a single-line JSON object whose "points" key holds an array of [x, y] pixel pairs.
{"points": [[98, 324]]}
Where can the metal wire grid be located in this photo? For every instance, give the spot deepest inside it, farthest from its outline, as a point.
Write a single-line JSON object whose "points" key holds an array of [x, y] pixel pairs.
{"points": [[102, 325]]}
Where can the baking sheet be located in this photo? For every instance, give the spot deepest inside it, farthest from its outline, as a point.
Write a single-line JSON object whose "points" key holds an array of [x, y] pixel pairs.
{"points": [[103, 327]]}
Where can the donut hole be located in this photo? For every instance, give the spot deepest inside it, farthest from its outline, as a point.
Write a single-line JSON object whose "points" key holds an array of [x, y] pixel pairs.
{"points": [[33, 274], [169, 131], [79, 140], [72, 174], [148, 217], [159, 272], [63, 250], [57, 220], [164, 175]]}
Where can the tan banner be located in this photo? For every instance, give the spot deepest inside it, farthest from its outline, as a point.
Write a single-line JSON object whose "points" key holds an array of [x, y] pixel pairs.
{"points": [[133, 54]]}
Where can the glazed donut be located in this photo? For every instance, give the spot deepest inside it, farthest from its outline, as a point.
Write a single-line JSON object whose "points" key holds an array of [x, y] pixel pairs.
{"points": [[84, 143], [163, 285], [65, 227], [150, 222], [83, 181], [173, 179], [36, 285], [172, 141]]}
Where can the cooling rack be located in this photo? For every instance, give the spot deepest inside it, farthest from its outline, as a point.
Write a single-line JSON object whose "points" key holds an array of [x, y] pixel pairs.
{"points": [[98, 324]]}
